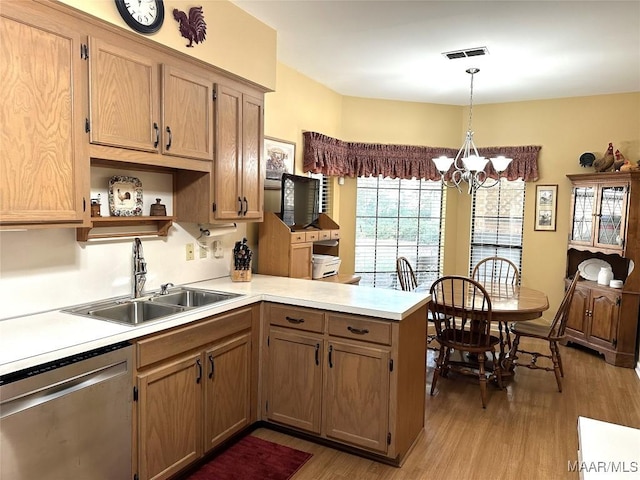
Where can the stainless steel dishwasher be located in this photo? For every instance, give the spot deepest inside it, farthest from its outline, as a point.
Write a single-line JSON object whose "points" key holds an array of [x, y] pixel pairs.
{"points": [[69, 419]]}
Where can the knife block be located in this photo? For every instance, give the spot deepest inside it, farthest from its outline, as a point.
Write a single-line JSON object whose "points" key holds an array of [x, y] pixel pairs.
{"points": [[240, 275]]}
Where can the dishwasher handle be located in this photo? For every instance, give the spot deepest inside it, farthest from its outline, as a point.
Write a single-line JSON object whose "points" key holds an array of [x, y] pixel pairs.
{"points": [[56, 390]]}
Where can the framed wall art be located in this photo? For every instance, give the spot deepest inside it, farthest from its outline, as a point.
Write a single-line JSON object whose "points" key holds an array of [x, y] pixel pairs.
{"points": [[546, 207], [280, 157]]}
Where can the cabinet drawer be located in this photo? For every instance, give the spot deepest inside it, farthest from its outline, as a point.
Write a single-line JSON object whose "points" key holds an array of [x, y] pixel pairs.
{"points": [[297, 317], [360, 329], [311, 236], [335, 234], [298, 237], [165, 345], [324, 235]]}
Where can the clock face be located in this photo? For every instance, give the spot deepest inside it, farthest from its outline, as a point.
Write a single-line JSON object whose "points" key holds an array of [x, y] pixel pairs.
{"points": [[144, 16]]}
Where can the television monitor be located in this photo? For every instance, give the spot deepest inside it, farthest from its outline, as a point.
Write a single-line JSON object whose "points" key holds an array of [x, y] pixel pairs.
{"points": [[300, 200]]}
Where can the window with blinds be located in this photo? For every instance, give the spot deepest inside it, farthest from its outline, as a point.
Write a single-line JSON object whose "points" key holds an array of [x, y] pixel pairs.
{"points": [[497, 221], [398, 218], [325, 192]]}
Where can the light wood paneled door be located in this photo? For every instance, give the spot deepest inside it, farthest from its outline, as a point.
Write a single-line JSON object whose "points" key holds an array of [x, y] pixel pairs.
{"points": [[226, 394], [187, 114], [170, 403], [295, 380], [43, 164], [124, 98], [253, 164], [359, 416]]}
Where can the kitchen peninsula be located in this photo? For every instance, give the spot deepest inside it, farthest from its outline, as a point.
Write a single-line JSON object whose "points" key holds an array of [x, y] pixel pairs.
{"points": [[350, 335]]}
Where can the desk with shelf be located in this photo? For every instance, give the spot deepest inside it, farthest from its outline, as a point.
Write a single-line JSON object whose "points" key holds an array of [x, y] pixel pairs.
{"points": [[287, 252]]}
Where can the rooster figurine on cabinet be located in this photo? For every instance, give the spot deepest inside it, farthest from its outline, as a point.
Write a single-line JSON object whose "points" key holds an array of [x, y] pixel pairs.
{"points": [[193, 27], [606, 162]]}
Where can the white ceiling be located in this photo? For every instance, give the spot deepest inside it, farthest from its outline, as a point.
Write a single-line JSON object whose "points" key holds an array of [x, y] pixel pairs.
{"points": [[393, 49]]}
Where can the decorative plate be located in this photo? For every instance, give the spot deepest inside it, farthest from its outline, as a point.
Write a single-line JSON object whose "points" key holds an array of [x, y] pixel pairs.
{"points": [[125, 196], [590, 268]]}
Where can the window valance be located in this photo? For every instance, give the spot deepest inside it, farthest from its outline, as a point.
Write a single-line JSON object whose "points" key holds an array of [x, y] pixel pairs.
{"points": [[330, 156]]}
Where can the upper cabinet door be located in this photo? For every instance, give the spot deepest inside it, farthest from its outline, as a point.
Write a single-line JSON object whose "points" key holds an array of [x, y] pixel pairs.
{"points": [[611, 216], [123, 97], [187, 114], [253, 166], [226, 170], [43, 162], [599, 215], [583, 213]]}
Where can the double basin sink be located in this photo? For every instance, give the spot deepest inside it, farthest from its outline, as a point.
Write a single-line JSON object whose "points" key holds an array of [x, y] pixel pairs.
{"points": [[136, 311]]}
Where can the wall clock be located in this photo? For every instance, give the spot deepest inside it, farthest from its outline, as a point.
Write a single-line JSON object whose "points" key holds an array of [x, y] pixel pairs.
{"points": [[144, 16]]}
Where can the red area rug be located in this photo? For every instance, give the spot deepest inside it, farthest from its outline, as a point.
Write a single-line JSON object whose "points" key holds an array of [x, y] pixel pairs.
{"points": [[252, 458]]}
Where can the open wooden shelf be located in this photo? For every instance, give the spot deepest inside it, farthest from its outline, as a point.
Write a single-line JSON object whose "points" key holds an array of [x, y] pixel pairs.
{"points": [[162, 225]]}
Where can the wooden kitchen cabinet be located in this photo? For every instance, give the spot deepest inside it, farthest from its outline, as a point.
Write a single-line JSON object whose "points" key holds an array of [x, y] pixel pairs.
{"points": [[345, 378], [605, 225], [227, 408], [293, 396], [195, 390], [594, 312], [367, 367], [131, 108], [43, 167], [169, 406], [239, 162], [233, 189]]}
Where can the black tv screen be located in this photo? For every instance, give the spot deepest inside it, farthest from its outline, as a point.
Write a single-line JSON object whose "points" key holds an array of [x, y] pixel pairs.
{"points": [[299, 205]]}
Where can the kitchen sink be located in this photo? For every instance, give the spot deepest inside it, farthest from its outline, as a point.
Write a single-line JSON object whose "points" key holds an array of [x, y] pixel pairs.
{"points": [[130, 311]]}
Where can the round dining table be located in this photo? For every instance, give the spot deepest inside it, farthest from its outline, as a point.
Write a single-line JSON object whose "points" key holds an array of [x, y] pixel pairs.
{"points": [[511, 303]]}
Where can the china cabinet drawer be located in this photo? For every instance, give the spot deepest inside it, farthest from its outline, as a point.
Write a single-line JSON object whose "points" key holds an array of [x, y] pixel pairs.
{"points": [[360, 329], [296, 317], [299, 237]]}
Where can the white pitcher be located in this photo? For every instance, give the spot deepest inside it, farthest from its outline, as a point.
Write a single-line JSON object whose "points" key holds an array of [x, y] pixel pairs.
{"points": [[605, 276]]}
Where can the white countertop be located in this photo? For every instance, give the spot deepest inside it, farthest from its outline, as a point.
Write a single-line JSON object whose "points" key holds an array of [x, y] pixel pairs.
{"points": [[35, 339], [607, 450]]}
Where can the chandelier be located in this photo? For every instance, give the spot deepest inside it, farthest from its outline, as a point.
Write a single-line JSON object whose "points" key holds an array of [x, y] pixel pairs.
{"points": [[469, 166]]}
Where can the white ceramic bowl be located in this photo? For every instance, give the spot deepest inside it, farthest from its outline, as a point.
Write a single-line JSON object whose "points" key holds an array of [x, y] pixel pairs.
{"points": [[615, 283]]}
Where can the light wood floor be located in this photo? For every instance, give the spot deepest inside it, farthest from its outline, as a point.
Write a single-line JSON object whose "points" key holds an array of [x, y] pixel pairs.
{"points": [[528, 430]]}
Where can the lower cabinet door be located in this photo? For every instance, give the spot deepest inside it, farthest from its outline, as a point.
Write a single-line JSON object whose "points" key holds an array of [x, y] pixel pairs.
{"points": [[295, 380], [169, 409], [605, 310], [356, 408], [578, 310], [226, 389]]}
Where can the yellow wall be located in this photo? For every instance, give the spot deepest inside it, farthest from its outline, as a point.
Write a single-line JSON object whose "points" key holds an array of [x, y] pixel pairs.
{"points": [[236, 41]]}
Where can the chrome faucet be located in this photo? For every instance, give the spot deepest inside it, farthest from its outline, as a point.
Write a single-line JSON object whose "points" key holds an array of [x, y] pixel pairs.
{"points": [[139, 268]]}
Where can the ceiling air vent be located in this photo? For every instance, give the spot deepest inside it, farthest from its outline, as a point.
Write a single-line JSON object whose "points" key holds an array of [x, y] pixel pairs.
{"points": [[469, 52]]}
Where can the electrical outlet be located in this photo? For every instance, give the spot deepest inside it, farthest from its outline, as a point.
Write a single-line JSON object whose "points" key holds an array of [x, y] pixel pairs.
{"points": [[203, 251], [190, 252]]}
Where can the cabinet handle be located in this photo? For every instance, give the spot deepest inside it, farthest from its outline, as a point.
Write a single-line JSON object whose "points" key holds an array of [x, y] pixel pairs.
{"points": [[199, 365], [170, 138], [294, 320], [240, 204], [317, 354], [212, 366], [330, 356], [155, 127], [358, 331], [246, 206]]}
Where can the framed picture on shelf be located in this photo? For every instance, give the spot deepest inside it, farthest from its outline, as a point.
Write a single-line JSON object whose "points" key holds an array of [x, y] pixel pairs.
{"points": [[546, 207], [280, 157]]}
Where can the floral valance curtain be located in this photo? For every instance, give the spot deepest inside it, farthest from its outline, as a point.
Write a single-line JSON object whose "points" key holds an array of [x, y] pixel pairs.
{"points": [[330, 156]]}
